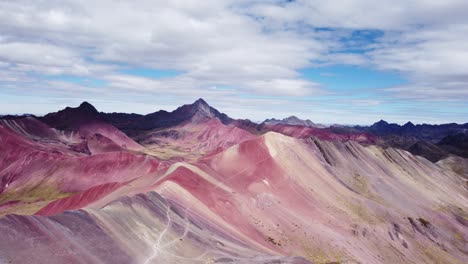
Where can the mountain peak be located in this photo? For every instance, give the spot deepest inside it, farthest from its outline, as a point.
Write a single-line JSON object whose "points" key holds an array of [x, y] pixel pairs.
{"points": [[381, 122], [200, 102], [72, 117], [87, 107], [408, 124], [292, 118], [201, 110]]}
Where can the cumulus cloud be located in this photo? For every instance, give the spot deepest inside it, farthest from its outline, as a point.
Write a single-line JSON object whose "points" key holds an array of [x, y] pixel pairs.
{"points": [[209, 41], [433, 59], [251, 48], [422, 40]]}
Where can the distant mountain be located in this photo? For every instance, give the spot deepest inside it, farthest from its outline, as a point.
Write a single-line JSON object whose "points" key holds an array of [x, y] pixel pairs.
{"points": [[428, 150], [456, 144], [458, 140], [424, 140], [120, 120], [383, 128], [72, 117], [196, 112], [86, 122], [292, 120], [14, 117], [138, 126], [431, 133]]}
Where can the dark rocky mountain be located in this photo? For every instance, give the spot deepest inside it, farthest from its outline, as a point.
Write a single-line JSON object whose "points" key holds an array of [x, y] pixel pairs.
{"points": [[456, 144], [433, 142], [431, 133], [120, 120], [196, 112], [72, 117], [382, 128], [428, 150]]}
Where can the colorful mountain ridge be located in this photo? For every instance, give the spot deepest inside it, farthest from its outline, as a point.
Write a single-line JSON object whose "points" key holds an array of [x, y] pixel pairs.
{"points": [[197, 186]]}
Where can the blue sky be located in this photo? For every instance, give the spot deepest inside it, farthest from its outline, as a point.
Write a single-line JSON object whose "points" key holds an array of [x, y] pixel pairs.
{"points": [[331, 62], [344, 78]]}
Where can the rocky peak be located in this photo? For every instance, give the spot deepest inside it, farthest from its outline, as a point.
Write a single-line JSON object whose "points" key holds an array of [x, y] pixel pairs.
{"points": [[292, 119], [72, 117], [87, 107], [200, 102], [381, 123], [201, 110], [409, 124]]}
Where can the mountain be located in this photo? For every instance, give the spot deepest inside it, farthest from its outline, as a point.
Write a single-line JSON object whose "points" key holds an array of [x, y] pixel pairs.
{"points": [[431, 133], [428, 150], [196, 112], [292, 120], [304, 132], [127, 231], [423, 140], [192, 139], [253, 203], [39, 164], [71, 118], [383, 128], [140, 126], [456, 144], [87, 123], [196, 186]]}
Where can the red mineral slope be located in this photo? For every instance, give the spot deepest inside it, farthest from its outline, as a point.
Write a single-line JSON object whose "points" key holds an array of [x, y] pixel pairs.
{"points": [[32, 130], [277, 196], [192, 139], [95, 136], [325, 201], [50, 164], [221, 195], [117, 137], [40, 164], [145, 228], [79, 200]]}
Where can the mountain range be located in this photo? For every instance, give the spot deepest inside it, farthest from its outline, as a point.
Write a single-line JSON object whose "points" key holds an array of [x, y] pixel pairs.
{"points": [[294, 121], [197, 186], [433, 142]]}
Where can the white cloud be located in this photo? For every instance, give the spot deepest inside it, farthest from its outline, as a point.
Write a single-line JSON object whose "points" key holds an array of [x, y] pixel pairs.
{"points": [[209, 41], [36, 54], [253, 47], [435, 61], [364, 102], [422, 40], [286, 87], [365, 14]]}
